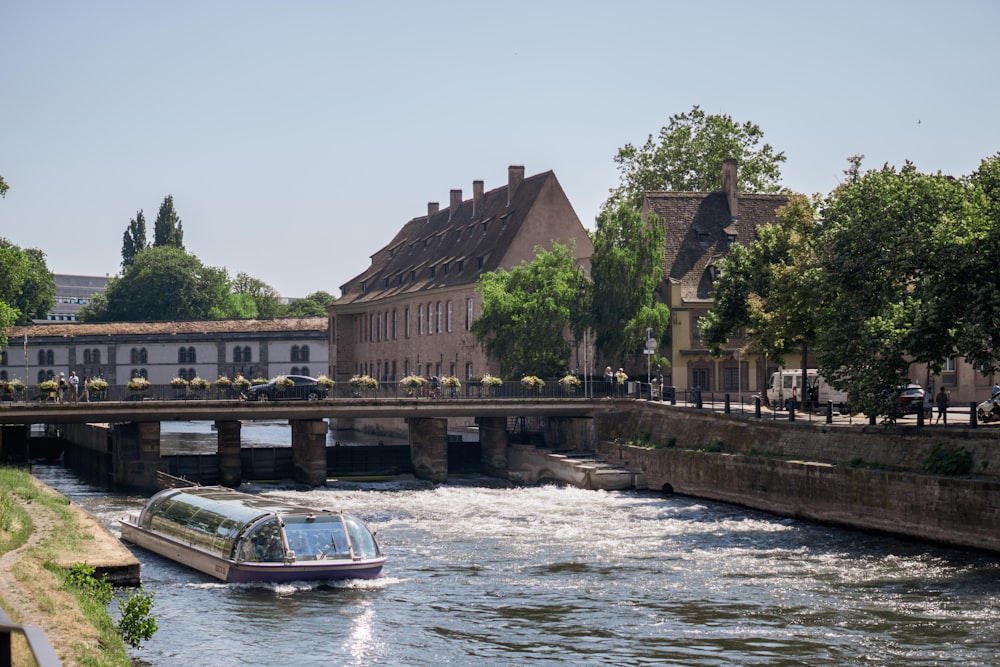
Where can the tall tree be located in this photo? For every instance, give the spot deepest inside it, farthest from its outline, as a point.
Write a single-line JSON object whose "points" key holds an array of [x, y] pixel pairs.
{"points": [[688, 156], [3, 187], [265, 299], [527, 312], [894, 277], [167, 230], [166, 283], [626, 268], [26, 284], [134, 239]]}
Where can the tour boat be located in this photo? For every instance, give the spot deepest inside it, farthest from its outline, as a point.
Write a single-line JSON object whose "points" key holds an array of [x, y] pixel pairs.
{"points": [[237, 537]]}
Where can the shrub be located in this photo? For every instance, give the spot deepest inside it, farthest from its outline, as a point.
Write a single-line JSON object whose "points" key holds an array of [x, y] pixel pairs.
{"points": [[948, 461]]}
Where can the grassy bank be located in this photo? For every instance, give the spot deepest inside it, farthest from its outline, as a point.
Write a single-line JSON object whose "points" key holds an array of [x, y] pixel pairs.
{"points": [[36, 590]]}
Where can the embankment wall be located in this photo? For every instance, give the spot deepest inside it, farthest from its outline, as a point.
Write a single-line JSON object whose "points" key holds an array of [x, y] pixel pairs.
{"points": [[860, 476]]}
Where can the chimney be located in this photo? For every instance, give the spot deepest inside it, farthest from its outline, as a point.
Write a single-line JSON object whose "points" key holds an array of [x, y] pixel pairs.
{"points": [[456, 199], [729, 186], [515, 175], [432, 208], [477, 197]]}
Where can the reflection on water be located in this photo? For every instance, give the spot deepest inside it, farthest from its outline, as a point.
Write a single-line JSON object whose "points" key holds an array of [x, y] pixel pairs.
{"points": [[562, 576]]}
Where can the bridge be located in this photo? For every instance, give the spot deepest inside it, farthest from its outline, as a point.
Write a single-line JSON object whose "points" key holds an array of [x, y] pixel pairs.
{"points": [[127, 433]]}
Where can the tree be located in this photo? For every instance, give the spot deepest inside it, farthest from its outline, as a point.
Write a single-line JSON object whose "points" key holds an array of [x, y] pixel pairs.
{"points": [[3, 187], [527, 311], [27, 286], [688, 156], [167, 230], [894, 262], [166, 283], [265, 299], [626, 268], [134, 239], [770, 288], [312, 305]]}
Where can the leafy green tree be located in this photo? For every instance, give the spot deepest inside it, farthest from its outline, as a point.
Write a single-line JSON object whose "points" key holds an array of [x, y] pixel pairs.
{"points": [[688, 156], [27, 286], [626, 268], [527, 312], [265, 299], [3, 187], [166, 283], [770, 288], [167, 230], [312, 305], [894, 261], [134, 239]]}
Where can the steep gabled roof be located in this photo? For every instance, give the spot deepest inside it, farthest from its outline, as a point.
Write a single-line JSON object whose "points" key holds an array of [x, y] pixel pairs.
{"points": [[449, 247], [700, 230]]}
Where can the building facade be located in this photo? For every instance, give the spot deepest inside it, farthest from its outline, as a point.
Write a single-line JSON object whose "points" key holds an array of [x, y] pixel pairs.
{"points": [[72, 294], [411, 311], [161, 351], [700, 228]]}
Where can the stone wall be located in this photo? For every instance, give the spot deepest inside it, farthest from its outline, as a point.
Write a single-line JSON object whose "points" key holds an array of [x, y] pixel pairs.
{"points": [[868, 477]]}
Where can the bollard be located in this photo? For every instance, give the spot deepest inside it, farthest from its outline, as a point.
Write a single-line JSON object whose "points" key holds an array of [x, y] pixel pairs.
{"points": [[697, 398], [920, 416], [972, 414], [726, 409], [756, 406], [871, 419], [791, 411], [829, 412]]}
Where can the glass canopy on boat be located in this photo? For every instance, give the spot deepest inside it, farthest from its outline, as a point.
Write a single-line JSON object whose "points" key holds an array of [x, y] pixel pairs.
{"points": [[242, 527]]}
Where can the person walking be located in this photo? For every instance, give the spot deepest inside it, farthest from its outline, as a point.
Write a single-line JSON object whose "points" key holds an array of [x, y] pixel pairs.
{"points": [[942, 402]]}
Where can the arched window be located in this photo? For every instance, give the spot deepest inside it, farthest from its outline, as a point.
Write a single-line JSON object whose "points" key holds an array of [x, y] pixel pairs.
{"points": [[42, 377], [182, 356], [192, 356], [246, 353], [295, 355], [237, 354], [182, 374], [303, 371], [3, 376], [133, 357], [41, 357], [95, 356], [448, 323], [3, 357], [438, 328], [86, 357], [304, 355]]}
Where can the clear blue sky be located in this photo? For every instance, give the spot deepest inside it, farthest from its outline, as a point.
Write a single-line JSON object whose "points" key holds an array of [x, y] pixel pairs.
{"points": [[298, 137]]}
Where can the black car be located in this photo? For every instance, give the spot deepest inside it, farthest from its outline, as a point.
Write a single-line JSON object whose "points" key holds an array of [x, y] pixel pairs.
{"points": [[909, 400], [301, 387]]}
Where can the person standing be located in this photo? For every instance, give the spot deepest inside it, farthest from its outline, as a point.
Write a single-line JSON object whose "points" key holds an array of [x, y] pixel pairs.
{"points": [[74, 387], [61, 387], [609, 379], [85, 389], [942, 403]]}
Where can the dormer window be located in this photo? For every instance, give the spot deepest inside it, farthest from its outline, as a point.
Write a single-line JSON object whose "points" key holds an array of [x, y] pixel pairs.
{"points": [[703, 239], [731, 239], [433, 269], [364, 286], [445, 269]]}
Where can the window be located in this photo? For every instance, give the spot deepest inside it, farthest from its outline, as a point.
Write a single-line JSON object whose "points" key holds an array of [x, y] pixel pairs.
{"points": [[182, 355], [438, 328], [3, 357], [95, 356], [237, 354], [304, 354], [406, 322], [295, 356], [3, 376], [468, 314], [448, 322], [139, 356], [246, 353], [468, 371], [420, 319], [433, 270], [395, 318], [701, 378], [731, 378]]}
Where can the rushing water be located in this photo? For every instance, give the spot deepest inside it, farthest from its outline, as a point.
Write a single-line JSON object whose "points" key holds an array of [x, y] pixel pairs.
{"points": [[484, 575]]}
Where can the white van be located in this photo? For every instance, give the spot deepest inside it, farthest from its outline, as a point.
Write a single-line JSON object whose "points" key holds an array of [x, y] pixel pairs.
{"points": [[784, 387]]}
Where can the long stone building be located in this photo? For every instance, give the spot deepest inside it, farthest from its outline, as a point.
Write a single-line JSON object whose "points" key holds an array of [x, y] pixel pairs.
{"points": [[411, 311], [160, 351]]}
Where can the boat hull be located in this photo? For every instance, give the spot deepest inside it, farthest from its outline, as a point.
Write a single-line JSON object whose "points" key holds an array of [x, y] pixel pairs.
{"points": [[234, 572]]}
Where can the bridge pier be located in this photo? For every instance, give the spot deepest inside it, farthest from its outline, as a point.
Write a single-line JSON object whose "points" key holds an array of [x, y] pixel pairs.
{"points": [[14, 442], [571, 432], [429, 448], [136, 459], [309, 451], [230, 463], [493, 445]]}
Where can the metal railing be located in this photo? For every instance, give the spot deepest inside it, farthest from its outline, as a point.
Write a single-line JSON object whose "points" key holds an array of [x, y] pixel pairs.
{"points": [[38, 643]]}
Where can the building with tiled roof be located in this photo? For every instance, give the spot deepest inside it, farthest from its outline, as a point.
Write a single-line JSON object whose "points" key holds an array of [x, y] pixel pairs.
{"points": [[160, 351], [411, 311], [701, 227]]}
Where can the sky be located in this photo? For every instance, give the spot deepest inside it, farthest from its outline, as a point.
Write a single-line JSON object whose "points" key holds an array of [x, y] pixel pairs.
{"points": [[298, 137]]}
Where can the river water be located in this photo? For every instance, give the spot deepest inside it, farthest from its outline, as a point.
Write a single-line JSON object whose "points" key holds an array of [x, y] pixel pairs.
{"points": [[481, 574]]}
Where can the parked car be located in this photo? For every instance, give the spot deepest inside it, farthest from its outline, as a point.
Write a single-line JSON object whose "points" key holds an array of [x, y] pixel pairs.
{"points": [[279, 389], [909, 400], [989, 409]]}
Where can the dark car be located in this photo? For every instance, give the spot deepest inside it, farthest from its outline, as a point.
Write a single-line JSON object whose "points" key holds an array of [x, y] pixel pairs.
{"points": [[301, 388], [909, 399]]}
